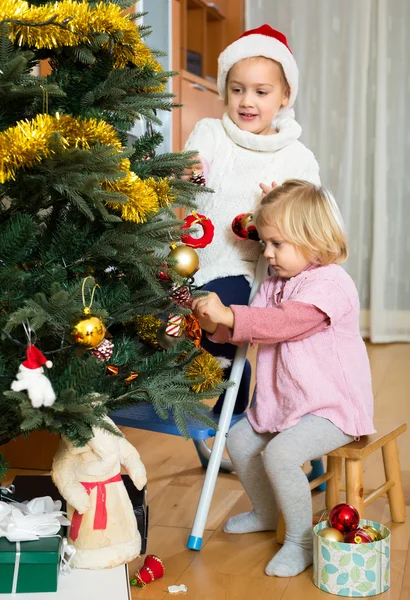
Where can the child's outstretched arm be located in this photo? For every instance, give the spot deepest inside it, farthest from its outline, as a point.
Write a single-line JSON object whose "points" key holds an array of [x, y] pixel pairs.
{"points": [[211, 312]]}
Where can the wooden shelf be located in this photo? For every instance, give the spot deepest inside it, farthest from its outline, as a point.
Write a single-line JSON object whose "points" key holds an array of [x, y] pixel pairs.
{"points": [[201, 81], [213, 9], [205, 27]]}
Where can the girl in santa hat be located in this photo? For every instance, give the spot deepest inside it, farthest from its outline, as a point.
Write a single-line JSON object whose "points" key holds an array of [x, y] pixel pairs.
{"points": [[255, 143]]}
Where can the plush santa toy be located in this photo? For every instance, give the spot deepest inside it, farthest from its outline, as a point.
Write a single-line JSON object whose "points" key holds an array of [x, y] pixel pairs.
{"points": [[31, 377], [104, 529]]}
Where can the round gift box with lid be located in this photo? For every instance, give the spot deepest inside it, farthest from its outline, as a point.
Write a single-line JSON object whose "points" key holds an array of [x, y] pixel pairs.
{"points": [[354, 570]]}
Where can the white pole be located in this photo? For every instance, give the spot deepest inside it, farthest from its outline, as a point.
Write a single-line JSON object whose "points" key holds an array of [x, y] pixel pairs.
{"points": [[195, 539]]}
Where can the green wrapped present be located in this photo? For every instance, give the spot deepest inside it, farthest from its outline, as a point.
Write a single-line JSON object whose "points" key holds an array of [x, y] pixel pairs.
{"points": [[30, 566]]}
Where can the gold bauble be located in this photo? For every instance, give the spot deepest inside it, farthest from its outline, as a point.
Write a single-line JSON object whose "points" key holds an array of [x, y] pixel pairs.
{"points": [[187, 260], [88, 331], [331, 534]]}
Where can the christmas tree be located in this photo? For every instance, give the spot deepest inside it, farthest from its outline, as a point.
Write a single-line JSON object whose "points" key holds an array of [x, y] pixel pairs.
{"points": [[87, 280]]}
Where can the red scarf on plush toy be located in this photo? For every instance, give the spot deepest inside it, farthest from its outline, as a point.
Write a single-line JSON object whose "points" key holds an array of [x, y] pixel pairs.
{"points": [[100, 517]]}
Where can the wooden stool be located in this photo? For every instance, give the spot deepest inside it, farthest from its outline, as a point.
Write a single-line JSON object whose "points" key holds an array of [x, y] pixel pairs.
{"points": [[354, 453]]}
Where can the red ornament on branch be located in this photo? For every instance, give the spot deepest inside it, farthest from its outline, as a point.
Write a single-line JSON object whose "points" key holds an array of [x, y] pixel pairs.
{"points": [[207, 227], [244, 227]]}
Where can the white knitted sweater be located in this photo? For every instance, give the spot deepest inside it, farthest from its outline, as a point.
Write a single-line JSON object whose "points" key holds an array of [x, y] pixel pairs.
{"points": [[239, 161]]}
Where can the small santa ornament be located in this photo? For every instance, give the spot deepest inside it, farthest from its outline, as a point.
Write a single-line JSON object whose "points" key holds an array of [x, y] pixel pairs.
{"points": [[31, 377]]}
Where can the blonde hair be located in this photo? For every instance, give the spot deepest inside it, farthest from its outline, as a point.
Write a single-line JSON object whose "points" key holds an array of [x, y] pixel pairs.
{"points": [[282, 76], [308, 217]]}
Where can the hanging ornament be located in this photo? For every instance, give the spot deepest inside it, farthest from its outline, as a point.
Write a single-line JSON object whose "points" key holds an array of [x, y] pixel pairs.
{"points": [[180, 295], [173, 326], [193, 329], [163, 276], [131, 377], [111, 370], [358, 536], [207, 229], [166, 341], [187, 260], [198, 178], [331, 534], [147, 328], [152, 569], [344, 517], [104, 351], [88, 331], [244, 228], [30, 377], [205, 366]]}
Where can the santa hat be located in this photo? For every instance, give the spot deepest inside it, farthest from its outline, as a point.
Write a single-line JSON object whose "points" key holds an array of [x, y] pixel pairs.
{"points": [[263, 41], [36, 359]]}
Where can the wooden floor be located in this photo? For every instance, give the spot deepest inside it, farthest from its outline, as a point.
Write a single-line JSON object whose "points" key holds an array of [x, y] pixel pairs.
{"points": [[231, 567]]}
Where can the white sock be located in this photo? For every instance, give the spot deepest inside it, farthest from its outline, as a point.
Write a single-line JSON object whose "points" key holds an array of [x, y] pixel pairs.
{"points": [[249, 522], [291, 560]]}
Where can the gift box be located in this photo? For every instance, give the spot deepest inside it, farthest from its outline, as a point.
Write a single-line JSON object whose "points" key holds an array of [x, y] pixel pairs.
{"points": [[33, 486], [355, 570], [30, 566]]}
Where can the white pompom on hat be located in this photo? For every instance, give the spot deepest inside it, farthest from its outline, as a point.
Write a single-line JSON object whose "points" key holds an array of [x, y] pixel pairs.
{"points": [[263, 41], [35, 359]]}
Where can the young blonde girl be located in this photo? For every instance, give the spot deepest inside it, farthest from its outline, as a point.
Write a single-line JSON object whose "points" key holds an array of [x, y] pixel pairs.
{"points": [[256, 142], [313, 378]]}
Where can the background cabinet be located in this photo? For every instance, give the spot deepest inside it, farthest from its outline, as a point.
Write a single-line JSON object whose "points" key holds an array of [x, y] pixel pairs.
{"points": [[201, 30], [199, 101]]}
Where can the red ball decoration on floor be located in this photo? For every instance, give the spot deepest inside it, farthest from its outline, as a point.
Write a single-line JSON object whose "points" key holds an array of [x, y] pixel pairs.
{"points": [[344, 517], [358, 536], [152, 569]]}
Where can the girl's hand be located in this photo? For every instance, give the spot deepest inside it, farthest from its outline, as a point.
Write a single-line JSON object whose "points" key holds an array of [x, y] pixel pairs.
{"points": [[213, 310], [197, 168], [266, 189]]}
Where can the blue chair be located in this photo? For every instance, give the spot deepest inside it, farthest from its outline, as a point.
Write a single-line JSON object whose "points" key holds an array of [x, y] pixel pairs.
{"points": [[143, 416]]}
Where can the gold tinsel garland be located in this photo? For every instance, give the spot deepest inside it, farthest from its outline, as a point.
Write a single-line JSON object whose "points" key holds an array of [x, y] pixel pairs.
{"points": [[141, 195], [205, 366], [161, 189], [28, 143], [78, 23]]}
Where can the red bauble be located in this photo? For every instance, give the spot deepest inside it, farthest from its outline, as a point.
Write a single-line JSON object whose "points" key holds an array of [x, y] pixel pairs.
{"points": [[358, 536], [243, 227], [207, 227], [153, 569], [344, 517], [163, 276]]}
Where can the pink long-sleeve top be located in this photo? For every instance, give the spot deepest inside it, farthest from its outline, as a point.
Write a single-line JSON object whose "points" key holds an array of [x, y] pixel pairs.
{"points": [[311, 356]]}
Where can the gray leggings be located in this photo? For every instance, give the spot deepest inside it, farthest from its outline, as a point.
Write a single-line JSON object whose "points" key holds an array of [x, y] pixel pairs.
{"points": [[275, 480]]}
